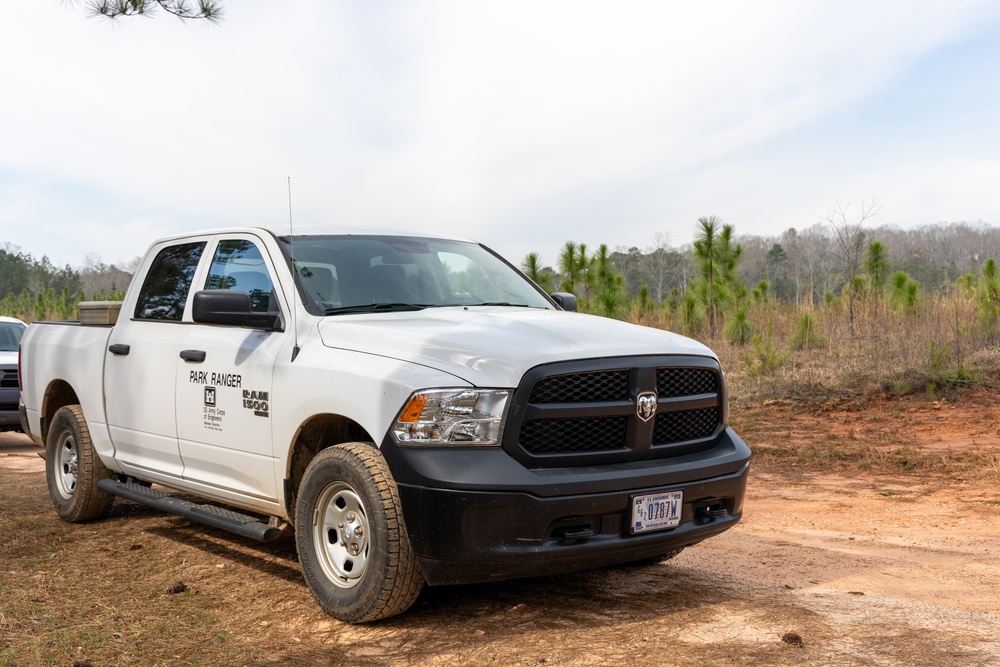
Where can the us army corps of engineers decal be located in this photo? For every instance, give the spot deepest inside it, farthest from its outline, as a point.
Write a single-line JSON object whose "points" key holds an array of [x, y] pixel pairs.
{"points": [[212, 415]]}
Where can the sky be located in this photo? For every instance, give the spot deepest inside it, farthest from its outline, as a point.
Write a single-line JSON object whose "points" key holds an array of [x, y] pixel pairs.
{"points": [[520, 124]]}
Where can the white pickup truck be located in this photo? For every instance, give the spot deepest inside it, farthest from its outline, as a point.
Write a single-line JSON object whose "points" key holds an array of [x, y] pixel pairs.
{"points": [[412, 406]]}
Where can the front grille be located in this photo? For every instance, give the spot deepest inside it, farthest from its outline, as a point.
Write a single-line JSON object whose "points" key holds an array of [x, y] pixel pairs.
{"points": [[8, 380], [581, 413], [582, 388], [562, 436], [685, 381], [671, 427], [8, 407]]}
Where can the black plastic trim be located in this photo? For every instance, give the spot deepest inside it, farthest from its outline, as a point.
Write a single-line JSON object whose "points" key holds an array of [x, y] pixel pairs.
{"points": [[210, 515], [493, 469], [642, 378], [467, 537]]}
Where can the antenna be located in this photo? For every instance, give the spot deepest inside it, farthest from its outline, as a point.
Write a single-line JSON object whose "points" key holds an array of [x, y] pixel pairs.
{"points": [[291, 246]]}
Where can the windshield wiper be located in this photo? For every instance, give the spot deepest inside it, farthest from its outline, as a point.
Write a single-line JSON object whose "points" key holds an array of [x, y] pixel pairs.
{"points": [[501, 303], [376, 307]]}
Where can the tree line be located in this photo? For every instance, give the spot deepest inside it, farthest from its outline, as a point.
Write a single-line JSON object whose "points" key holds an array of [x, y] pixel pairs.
{"points": [[804, 266], [35, 289], [711, 285], [705, 285]]}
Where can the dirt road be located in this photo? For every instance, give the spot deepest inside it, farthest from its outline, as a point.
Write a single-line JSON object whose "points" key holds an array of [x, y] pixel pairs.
{"points": [[855, 566]]}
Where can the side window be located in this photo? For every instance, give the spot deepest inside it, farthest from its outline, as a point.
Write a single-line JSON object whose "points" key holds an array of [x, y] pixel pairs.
{"points": [[239, 265], [165, 290]]}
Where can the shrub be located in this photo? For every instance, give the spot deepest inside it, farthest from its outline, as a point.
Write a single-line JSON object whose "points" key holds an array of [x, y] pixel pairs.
{"points": [[739, 330], [805, 336]]}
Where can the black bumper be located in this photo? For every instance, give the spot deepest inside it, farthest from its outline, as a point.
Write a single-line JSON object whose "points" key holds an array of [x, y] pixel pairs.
{"points": [[9, 416], [477, 515]]}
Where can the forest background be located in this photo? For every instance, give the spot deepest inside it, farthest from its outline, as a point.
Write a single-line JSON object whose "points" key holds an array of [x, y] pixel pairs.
{"points": [[832, 310]]}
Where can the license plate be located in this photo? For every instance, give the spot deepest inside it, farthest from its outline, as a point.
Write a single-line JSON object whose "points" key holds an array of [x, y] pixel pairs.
{"points": [[657, 511]]}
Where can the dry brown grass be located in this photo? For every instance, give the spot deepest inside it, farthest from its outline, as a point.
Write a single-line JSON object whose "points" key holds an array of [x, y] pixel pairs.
{"points": [[852, 458], [879, 396], [944, 345]]}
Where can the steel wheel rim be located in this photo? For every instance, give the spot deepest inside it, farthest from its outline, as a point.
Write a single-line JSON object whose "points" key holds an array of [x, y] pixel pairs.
{"points": [[68, 459], [341, 534]]}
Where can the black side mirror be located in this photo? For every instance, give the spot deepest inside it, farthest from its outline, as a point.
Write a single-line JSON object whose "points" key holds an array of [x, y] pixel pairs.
{"points": [[230, 307], [564, 300]]}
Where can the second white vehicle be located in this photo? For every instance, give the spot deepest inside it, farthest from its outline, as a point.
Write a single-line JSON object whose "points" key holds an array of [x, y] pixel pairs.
{"points": [[11, 330]]}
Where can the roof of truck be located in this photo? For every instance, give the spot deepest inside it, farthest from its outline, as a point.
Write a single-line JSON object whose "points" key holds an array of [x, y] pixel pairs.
{"points": [[319, 230]]}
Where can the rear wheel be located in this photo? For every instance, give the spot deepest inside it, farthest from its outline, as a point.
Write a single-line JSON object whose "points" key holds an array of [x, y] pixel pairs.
{"points": [[352, 543], [72, 468]]}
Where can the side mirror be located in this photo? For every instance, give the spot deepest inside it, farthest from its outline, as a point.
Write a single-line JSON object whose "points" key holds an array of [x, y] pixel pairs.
{"points": [[230, 307], [564, 300]]}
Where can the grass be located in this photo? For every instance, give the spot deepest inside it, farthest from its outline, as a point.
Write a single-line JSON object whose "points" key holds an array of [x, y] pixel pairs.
{"points": [[818, 351], [839, 454], [47, 628], [79, 596]]}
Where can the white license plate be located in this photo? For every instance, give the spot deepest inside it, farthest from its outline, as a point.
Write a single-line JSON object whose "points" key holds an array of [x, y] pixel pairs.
{"points": [[657, 511]]}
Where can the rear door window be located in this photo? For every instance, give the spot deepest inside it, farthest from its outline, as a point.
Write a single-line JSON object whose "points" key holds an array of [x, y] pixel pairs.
{"points": [[165, 290]]}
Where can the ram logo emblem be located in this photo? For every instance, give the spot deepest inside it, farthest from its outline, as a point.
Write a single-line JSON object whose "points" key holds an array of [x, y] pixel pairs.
{"points": [[645, 405]]}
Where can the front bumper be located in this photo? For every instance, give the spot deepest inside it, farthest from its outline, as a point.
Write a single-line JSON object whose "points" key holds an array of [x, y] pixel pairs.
{"points": [[473, 516], [9, 416]]}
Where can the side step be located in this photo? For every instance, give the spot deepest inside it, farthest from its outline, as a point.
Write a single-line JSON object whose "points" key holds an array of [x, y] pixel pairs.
{"points": [[217, 517]]}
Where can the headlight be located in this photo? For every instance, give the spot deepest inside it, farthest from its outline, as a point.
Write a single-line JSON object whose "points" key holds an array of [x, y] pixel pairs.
{"points": [[451, 417]]}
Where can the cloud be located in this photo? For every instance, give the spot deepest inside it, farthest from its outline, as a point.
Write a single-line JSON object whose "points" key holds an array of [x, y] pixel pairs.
{"points": [[521, 123]]}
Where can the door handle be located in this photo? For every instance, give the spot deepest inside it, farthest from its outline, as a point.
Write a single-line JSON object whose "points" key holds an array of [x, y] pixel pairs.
{"points": [[196, 356], [119, 348]]}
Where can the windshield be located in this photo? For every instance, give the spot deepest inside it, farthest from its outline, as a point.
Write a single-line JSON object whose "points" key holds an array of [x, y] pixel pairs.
{"points": [[10, 336], [345, 274]]}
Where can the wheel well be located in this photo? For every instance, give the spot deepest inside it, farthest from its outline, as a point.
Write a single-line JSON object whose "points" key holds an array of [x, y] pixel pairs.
{"points": [[58, 395], [314, 436]]}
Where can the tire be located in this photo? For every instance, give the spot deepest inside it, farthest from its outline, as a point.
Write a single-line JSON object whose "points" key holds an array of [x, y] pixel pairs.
{"points": [[72, 469], [351, 540]]}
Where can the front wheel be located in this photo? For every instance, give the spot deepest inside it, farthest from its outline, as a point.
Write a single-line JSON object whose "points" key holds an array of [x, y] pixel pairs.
{"points": [[72, 468], [349, 532]]}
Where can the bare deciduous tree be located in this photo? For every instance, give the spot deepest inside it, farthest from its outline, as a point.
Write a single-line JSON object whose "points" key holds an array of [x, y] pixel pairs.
{"points": [[658, 266], [849, 237]]}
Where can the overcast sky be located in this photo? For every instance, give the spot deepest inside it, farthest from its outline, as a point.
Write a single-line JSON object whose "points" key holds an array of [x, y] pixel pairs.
{"points": [[519, 124]]}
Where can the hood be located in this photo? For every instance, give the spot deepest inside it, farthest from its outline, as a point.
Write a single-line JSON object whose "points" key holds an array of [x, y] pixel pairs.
{"points": [[8, 358], [495, 346]]}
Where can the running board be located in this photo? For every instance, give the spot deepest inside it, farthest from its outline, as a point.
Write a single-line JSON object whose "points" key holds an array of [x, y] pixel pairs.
{"points": [[217, 517]]}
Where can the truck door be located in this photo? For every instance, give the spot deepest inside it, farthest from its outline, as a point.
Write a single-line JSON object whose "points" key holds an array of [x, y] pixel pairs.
{"points": [[141, 361], [224, 381]]}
